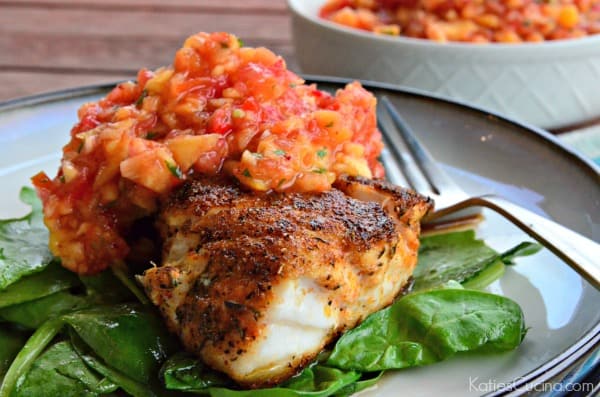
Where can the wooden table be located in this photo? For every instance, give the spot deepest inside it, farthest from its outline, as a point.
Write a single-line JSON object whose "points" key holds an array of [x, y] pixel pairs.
{"points": [[47, 45]]}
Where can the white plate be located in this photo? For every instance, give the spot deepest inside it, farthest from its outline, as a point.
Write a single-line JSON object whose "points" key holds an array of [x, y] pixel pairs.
{"points": [[485, 153]]}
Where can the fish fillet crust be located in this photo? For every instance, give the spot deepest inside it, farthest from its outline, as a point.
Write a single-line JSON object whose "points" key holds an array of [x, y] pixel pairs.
{"points": [[257, 284]]}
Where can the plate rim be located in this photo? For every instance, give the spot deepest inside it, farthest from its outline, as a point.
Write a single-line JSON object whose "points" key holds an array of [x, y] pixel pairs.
{"points": [[543, 373]]}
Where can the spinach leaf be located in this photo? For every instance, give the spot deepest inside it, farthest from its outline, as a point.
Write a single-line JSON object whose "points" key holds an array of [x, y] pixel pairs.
{"points": [[494, 268], [105, 287], [11, 341], [101, 289], [185, 373], [320, 380], [524, 249], [461, 257], [23, 242], [28, 354], [59, 372], [366, 381], [130, 386], [34, 313], [492, 272], [131, 338], [430, 326], [119, 270], [51, 280]]}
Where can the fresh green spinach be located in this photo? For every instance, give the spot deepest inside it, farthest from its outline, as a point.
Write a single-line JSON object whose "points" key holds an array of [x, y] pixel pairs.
{"points": [[11, 341], [130, 386], [23, 242], [128, 341], [461, 257], [52, 279], [430, 326], [185, 373], [32, 314], [34, 346], [100, 289], [59, 372], [129, 337]]}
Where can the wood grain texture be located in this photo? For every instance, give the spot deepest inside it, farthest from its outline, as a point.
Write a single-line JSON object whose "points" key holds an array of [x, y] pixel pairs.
{"points": [[102, 54], [226, 6], [47, 45], [138, 23]]}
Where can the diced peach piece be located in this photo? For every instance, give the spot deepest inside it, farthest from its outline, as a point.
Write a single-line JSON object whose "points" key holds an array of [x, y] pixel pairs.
{"points": [[327, 118], [116, 150], [187, 149], [489, 21], [258, 55], [568, 17], [154, 169], [346, 16], [435, 32], [332, 122], [155, 84], [459, 31], [141, 145], [507, 36]]}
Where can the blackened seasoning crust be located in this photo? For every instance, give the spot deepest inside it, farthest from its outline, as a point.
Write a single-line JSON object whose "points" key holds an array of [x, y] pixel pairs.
{"points": [[233, 252]]}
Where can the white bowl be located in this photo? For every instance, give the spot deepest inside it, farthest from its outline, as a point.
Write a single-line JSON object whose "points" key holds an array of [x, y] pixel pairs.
{"points": [[552, 84]]}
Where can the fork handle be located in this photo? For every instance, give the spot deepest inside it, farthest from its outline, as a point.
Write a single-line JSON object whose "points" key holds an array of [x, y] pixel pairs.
{"points": [[581, 253]]}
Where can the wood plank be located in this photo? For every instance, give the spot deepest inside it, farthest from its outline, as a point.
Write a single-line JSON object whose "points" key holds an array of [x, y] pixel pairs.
{"points": [[47, 45], [223, 5], [17, 84], [25, 50], [141, 23]]}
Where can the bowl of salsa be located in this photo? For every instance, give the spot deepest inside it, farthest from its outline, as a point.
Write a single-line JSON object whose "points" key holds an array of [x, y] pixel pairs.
{"points": [[534, 61]]}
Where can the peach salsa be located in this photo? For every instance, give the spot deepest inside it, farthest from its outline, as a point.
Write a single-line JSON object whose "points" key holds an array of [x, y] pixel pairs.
{"points": [[475, 21], [220, 108]]}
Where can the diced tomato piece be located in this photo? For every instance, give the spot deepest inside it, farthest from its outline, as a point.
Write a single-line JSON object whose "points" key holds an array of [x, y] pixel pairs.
{"points": [[220, 121]]}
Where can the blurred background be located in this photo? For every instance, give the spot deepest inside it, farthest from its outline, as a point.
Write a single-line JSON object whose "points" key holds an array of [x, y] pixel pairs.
{"points": [[48, 45]]}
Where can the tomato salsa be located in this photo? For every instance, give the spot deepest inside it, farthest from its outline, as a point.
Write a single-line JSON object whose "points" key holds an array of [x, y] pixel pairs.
{"points": [[502, 21], [220, 108]]}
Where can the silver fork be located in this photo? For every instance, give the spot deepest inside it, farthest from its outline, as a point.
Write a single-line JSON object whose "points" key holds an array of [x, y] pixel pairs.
{"points": [[423, 175]]}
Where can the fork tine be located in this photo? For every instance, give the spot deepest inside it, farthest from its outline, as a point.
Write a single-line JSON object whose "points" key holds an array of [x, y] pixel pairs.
{"points": [[392, 167], [437, 178], [406, 172]]}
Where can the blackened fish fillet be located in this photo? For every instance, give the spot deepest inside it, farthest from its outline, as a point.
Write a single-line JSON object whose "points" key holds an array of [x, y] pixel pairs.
{"points": [[257, 284]]}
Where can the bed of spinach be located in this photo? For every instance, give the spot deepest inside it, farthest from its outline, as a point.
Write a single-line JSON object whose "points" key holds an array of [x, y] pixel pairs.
{"points": [[64, 335]]}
